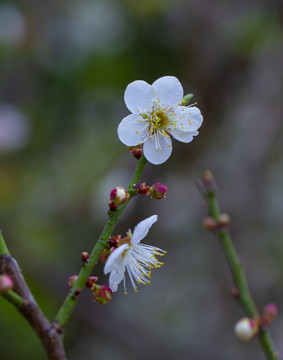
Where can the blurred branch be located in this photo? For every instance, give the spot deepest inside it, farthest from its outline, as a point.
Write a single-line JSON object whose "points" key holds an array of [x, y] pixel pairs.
{"points": [[21, 297], [218, 223], [71, 299]]}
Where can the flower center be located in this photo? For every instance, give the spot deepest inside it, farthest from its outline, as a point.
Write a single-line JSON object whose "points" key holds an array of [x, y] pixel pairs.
{"points": [[159, 119]]}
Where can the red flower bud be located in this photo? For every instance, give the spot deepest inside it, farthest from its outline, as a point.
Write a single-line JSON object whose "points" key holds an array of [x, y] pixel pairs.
{"points": [[141, 188], [102, 294], [85, 257], [137, 152], [158, 191]]}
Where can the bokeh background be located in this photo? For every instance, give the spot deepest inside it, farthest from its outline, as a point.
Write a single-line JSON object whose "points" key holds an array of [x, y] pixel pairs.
{"points": [[64, 68]]}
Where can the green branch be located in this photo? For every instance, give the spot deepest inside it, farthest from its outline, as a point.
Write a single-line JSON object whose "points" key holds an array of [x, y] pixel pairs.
{"points": [[71, 299], [3, 247], [13, 298], [244, 296]]}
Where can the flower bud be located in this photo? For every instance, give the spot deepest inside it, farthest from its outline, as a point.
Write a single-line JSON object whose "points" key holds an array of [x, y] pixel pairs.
{"points": [[269, 313], [137, 152], [91, 282], [208, 182], [142, 188], [210, 223], [224, 220], [77, 293], [72, 280], [85, 257], [6, 283], [246, 329], [117, 197], [235, 292], [158, 191], [114, 241], [102, 294]]}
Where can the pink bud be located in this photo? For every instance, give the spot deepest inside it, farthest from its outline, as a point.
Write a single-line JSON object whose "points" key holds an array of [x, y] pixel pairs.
{"points": [[158, 191], [117, 197], [72, 280], [91, 282], [102, 294], [269, 313], [210, 223], [6, 283], [246, 329]]}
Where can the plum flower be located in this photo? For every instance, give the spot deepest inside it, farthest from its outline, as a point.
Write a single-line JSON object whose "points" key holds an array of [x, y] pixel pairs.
{"points": [[138, 259], [157, 113]]}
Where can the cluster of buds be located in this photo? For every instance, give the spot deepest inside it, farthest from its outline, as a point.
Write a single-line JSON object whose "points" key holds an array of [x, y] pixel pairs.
{"points": [[246, 329], [157, 191], [117, 197], [6, 283], [213, 225], [137, 152], [102, 294]]}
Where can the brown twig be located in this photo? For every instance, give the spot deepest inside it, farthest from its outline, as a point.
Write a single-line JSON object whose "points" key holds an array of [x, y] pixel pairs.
{"points": [[50, 334]]}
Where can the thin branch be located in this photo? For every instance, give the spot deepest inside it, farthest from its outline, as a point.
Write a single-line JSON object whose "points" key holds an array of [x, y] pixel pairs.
{"points": [[21, 297], [208, 190], [13, 298], [71, 299]]}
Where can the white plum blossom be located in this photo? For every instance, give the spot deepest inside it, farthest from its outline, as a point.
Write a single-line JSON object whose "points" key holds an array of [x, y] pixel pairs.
{"points": [[138, 259], [157, 113]]}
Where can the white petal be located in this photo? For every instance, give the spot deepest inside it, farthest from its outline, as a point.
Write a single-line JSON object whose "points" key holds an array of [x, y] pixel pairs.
{"points": [[132, 130], [157, 148], [142, 229], [115, 259], [168, 91], [139, 96], [116, 277], [183, 136], [187, 118]]}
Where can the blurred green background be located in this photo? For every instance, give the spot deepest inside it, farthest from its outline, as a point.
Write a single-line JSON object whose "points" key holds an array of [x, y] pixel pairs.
{"points": [[63, 71]]}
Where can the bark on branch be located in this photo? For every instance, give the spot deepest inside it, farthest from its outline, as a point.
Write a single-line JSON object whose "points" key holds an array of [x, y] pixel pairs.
{"points": [[50, 334]]}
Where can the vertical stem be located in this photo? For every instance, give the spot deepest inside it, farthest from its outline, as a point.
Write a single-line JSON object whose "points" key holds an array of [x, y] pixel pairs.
{"points": [[245, 298], [233, 260], [71, 299]]}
